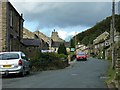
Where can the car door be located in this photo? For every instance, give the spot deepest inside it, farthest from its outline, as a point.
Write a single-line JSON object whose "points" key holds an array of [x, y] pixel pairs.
{"points": [[25, 61]]}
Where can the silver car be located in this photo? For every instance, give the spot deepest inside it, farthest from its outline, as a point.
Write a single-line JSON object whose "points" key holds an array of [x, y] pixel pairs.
{"points": [[14, 63]]}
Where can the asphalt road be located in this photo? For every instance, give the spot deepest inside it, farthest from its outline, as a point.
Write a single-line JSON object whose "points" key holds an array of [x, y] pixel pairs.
{"points": [[81, 74]]}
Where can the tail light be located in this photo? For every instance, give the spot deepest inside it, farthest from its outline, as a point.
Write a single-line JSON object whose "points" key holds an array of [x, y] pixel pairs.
{"points": [[20, 62], [77, 56]]}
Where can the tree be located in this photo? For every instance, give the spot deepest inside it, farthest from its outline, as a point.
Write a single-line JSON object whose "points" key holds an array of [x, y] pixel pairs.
{"points": [[62, 49], [89, 35], [72, 43]]}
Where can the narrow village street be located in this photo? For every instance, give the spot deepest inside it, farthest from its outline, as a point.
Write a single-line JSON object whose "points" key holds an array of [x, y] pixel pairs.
{"points": [[56, 44], [80, 74]]}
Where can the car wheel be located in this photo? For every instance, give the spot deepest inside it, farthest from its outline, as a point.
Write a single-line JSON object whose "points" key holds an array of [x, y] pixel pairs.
{"points": [[22, 74], [28, 72]]}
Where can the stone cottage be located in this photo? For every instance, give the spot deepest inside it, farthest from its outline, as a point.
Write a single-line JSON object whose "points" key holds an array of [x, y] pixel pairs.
{"points": [[101, 44], [11, 27]]}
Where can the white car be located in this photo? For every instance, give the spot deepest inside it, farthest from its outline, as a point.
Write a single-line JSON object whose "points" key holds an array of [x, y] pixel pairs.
{"points": [[14, 63]]}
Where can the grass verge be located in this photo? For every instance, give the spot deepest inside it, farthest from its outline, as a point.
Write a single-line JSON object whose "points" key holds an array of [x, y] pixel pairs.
{"points": [[111, 75]]}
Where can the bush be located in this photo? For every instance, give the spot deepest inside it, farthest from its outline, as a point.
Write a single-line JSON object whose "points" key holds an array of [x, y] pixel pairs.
{"points": [[48, 61], [62, 49], [73, 57]]}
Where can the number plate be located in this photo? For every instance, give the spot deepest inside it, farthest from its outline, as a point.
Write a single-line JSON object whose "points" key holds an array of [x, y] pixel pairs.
{"points": [[6, 66]]}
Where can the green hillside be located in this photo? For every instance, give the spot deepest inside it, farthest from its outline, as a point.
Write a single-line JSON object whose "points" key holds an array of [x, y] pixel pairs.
{"points": [[87, 37]]}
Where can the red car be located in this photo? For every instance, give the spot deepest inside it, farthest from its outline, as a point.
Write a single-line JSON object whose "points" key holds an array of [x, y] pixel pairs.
{"points": [[81, 56]]}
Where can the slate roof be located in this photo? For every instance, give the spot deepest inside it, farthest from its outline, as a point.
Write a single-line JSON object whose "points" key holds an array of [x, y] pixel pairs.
{"points": [[67, 44], [57, 44], [31, 42]]}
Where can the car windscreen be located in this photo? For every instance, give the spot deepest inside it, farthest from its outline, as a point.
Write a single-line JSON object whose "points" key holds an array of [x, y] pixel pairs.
{"points": [[80, 53], [9, 56]]}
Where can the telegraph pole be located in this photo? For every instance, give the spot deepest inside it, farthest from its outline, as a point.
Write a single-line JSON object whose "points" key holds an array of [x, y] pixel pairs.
{"points": [[75, 43], [75, 40], [113, 34]]}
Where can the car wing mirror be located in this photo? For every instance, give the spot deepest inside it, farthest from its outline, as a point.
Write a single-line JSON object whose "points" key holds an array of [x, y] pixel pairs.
{"points": [[28, 59]]}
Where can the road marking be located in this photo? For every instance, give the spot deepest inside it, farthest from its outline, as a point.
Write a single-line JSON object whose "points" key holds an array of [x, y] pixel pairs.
{"points": [[104, 77], [74, 74]]}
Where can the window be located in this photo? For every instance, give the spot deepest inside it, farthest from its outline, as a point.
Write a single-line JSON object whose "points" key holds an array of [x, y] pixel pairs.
{"points": [[80, 53], [11, 19], [9, 56], [11, 28], [22, 54]]}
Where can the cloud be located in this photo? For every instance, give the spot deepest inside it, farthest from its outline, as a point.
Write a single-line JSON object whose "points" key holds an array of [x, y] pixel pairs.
{"points": [[66, 17], [62, 0], [64, 14], [62, 34]]}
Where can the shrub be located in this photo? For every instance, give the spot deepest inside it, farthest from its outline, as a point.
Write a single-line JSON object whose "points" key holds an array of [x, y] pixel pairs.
{"points": [[48, 61], [62, 49]]}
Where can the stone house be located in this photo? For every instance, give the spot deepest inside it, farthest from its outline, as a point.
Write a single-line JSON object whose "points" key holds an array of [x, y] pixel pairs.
{"points": [[11, 27], [55, 37], [30, 46], [50, 44], [33, 46], [82, 48], [56, 41], [101, 44], [117, 37], [55, 46], [53, 41], [31, 38]]}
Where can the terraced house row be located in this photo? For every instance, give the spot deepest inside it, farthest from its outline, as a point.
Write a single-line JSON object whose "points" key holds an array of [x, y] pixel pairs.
{"points": [[11, 31], [14, 37]]}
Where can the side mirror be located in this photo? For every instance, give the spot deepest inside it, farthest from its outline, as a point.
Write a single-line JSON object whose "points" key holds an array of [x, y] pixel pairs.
{"points": [[28, 59]]}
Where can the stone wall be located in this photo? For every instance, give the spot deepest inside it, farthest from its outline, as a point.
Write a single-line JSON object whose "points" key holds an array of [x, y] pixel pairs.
{"points": [[11, 28], [14, 31], [4, 26], [117, 69], [0, 26]]}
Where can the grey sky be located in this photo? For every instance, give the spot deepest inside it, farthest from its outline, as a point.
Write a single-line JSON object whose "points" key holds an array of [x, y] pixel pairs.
{"points": [[67, 17], [64, 14]]}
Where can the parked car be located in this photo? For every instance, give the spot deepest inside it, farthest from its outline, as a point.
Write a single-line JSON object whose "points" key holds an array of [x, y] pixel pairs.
{"points": [[14, 63], [81, 56]]}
